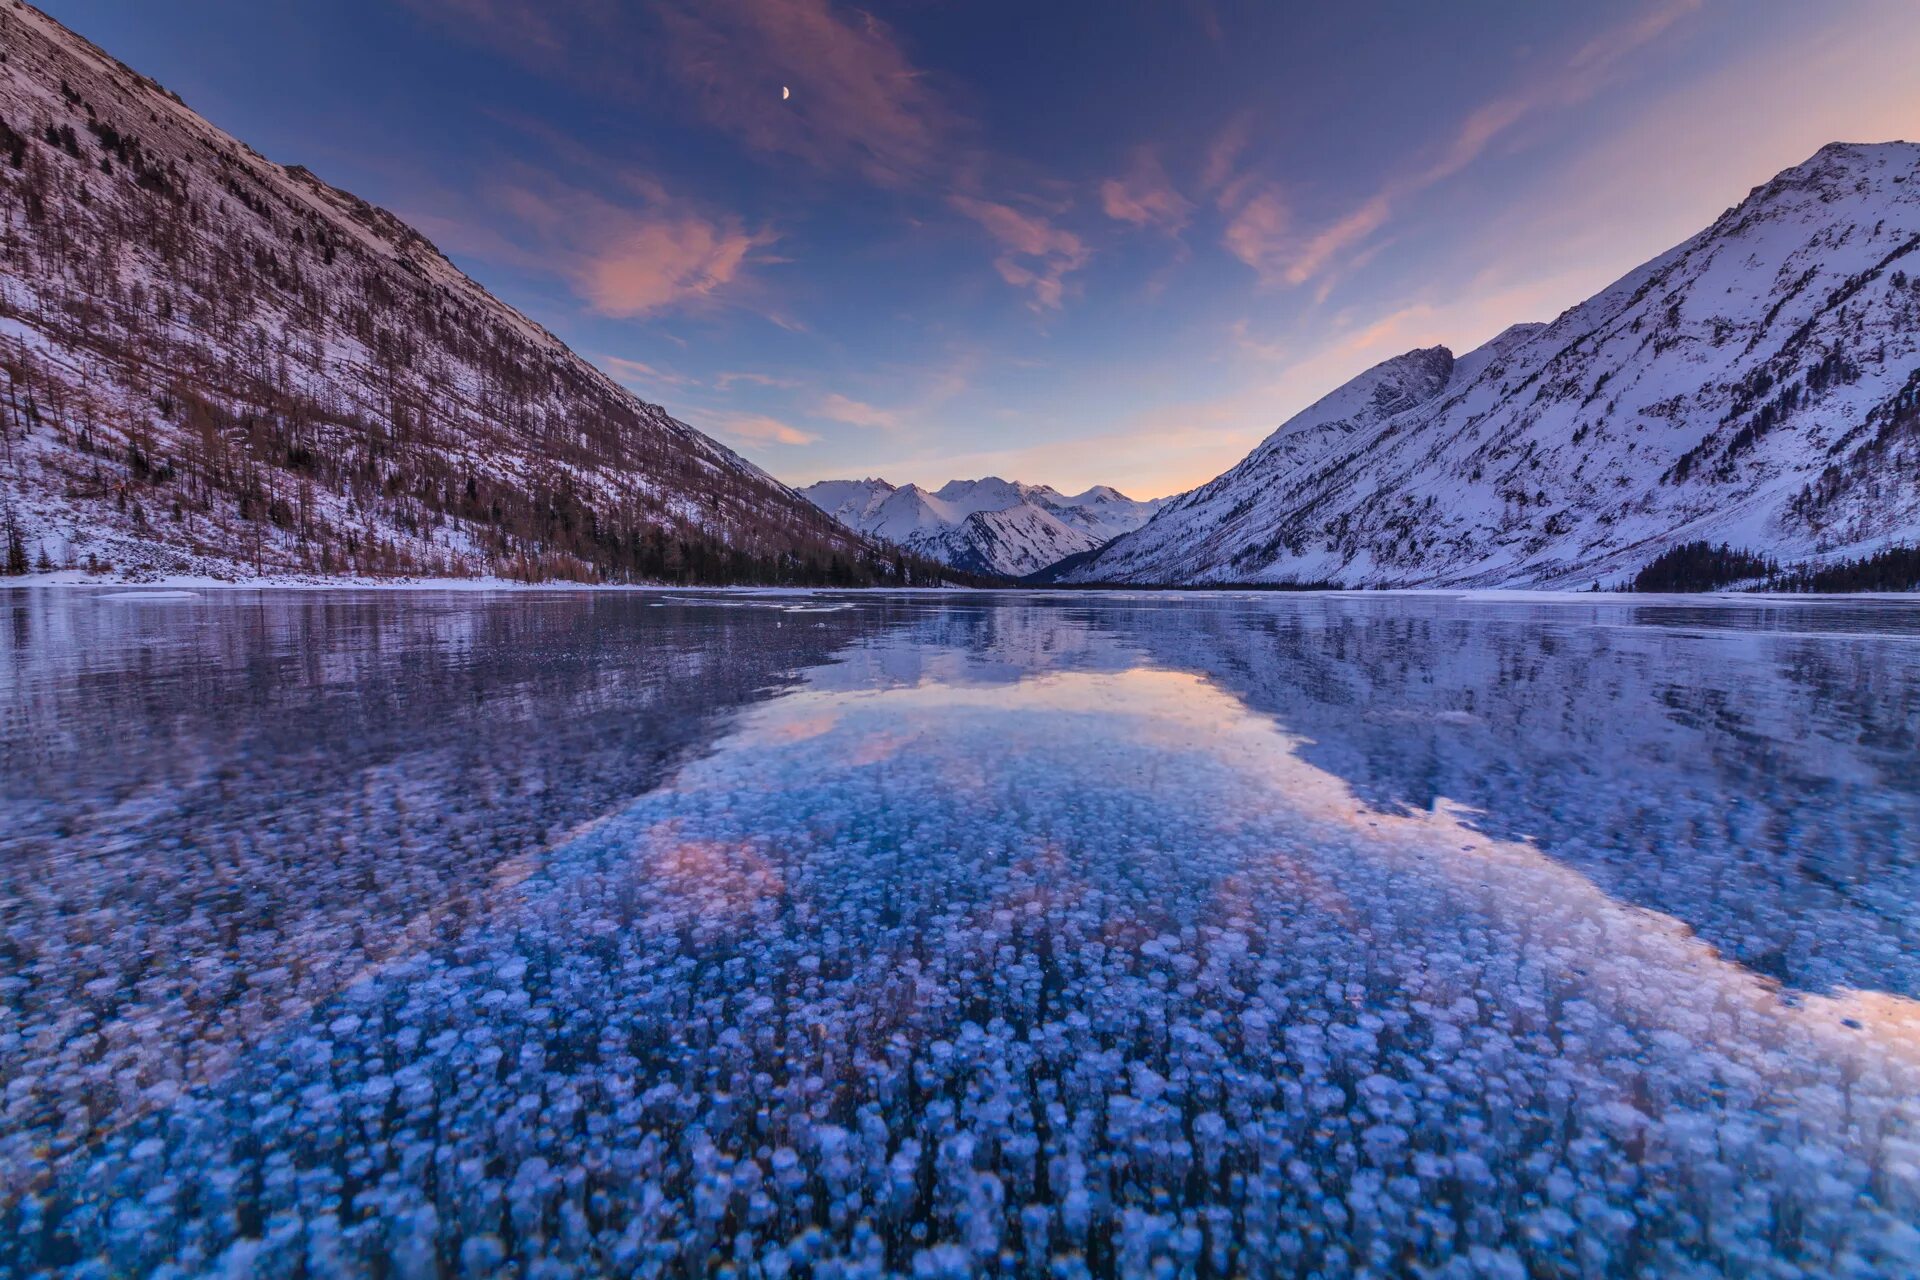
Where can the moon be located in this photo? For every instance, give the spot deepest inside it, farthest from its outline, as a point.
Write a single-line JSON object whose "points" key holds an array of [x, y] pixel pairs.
{"points": [[785, 93]]}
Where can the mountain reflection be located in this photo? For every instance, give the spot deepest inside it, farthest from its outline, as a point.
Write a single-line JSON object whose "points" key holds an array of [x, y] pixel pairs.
{"points": [[215, 813], [1048, 936], [1753, 772]]}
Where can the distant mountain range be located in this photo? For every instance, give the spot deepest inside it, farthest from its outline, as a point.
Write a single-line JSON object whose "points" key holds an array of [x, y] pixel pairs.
{"points": [[1758, 385], [215, 364], [989, 526]]}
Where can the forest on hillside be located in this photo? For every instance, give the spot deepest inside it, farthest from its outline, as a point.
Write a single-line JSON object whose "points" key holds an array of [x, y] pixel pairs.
{"points": [[218, 359]]}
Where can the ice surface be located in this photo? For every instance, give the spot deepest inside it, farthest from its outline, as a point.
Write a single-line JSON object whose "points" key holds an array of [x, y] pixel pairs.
{"points": [[1076, 936]]}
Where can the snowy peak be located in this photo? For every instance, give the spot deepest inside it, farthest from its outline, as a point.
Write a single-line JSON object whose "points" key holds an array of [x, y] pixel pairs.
{"points": [[1226, 511], [1756, 384], [849, 501], [1012, 541], [1390, 387], [988, 494], [989, 525]]}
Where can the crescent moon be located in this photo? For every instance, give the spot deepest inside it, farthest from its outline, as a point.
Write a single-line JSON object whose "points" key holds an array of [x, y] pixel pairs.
{"points": [[785, 93]]}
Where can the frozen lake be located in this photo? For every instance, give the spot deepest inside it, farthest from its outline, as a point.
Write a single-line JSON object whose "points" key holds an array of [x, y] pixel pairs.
{"points": [[428, 934]]}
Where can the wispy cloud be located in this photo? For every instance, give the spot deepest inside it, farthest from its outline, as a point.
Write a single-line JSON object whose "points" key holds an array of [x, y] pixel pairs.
{"points": [[648, 265], [838, 408], [1330, 242], [1260, 231], [1260, 238], [644, 374], [1144, 196], [643, 253], [859, 103], [758, 428], [1034, 253], [1218, 173], [725, 381]]}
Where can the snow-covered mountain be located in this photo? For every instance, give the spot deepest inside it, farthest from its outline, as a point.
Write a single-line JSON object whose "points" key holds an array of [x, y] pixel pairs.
{"points": [[214, 363], [984, 526], [1758, 385]]}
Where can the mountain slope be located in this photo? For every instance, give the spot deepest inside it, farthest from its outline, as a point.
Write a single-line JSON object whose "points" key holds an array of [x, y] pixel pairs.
{"points": [[1758, 384], [983, 526], [217, 364]]}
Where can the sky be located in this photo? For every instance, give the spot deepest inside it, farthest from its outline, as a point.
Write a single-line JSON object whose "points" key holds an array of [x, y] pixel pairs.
{"points": [[1074, 244]]}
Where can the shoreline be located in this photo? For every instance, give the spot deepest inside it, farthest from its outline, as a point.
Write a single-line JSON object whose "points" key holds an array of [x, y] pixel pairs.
{"points": [[175, 585]]}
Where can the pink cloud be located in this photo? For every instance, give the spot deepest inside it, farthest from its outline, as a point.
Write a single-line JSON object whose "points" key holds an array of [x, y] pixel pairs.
{"points": [[856, 413], [726, 380], [640, 371], [652, 264], [1252, 233], [1335, 239], [647, 253], [1144, 196], [859, 103], [1258, 233], [757, 428], [1223, 153], [1035, 254]]}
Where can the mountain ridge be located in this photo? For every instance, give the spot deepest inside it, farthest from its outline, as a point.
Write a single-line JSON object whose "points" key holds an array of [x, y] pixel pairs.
{"points": [[219, 365], [1754, 384], [987, 526]]}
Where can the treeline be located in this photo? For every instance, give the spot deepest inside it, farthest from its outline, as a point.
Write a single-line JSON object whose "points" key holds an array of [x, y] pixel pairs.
{"points": [[1894, 569], [14, 562], [1701, 566]]}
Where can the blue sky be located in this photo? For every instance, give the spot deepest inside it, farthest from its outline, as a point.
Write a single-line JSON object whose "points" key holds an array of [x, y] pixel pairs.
{"points": [[1073, 244]]}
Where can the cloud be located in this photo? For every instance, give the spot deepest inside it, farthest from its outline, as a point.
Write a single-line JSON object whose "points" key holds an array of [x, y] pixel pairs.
{"points": [[859, 104], [839, 408], [1254, 234], [1034, 255], [642, 254], [1223, 155], [1145, 197], [757, 428], [1260, 232], [651, 264], [725, 381], [1309, 259], [639, 371]]}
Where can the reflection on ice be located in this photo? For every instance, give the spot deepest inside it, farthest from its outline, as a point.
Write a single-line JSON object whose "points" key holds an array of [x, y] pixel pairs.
{"points": [[1048, 941]]}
